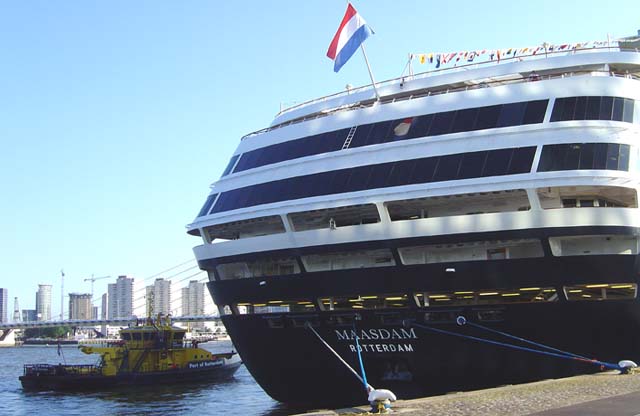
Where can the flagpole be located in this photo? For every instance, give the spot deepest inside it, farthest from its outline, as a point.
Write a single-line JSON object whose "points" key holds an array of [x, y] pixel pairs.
{"points": [[373, 81]]}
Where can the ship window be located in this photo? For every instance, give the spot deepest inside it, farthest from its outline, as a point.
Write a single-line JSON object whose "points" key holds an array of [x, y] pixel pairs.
{"points": [[230, 165], [447, 167], [348, 260], [459, 204], [442, 123], [472, 165], [627, 114], [521, 160], [334, 217], [382, 301], [601, 291], [246, 228], [137, 336], [379, 133], [535, 111], [125, 336], [420, 126], [465, 120], [258, 268], [587, 196], [593, 108], [486, 297], [499, 162], [618, 109], [488, 117], [275, 306], [511, 114], [589, 245], [360, 136], [480, 250], [401, 173], [423, 170], [611, 156], [207, 205], [379, 175]]}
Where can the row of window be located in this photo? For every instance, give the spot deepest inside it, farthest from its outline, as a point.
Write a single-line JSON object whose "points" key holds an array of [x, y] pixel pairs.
{"points": [[577, 156], [510, 200], [429, 254], [404, 172], [584, 292], [593, 108], [468, 119], [499, 162]]}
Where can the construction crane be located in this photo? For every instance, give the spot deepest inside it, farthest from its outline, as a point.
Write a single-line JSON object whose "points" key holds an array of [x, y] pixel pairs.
{"points": [[93, 279]]}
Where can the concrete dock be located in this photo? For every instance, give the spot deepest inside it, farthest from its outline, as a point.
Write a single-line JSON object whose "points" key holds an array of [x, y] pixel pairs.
{"points": [[606, 394]]}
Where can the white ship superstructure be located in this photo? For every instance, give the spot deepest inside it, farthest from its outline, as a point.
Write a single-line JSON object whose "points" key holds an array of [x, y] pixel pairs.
{"points": [[491, 185]]}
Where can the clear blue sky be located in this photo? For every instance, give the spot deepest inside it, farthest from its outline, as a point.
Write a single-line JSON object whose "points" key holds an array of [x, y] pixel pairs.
{"points": [[116, 116]]}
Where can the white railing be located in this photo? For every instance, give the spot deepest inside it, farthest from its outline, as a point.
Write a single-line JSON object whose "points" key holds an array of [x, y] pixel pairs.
{"points": [[435, 90]]}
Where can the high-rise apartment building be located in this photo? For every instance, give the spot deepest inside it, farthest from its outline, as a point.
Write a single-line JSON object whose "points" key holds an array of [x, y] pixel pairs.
{"points": [[104, 314], [4, 301], [80, 306], [120, 298], [43, 303], [193, 301], [162, 296]]}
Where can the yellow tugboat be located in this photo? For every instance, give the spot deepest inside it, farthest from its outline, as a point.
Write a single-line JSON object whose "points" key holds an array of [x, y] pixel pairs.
{"points": [[152, 352]]}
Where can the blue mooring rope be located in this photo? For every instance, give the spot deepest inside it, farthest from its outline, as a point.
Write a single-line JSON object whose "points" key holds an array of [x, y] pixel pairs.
{"points": [[461, 320], [364, 375], [517, 347]]}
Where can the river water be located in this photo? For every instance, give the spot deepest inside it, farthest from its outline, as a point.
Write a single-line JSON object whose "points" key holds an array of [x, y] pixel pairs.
{"points": [[240, 395]]}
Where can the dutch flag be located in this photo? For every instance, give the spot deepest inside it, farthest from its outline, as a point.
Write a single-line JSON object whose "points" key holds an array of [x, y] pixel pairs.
{"points": [[352, 32]]}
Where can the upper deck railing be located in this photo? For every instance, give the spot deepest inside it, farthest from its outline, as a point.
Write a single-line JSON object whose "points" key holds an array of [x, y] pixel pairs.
{"points": [[442, 89]]}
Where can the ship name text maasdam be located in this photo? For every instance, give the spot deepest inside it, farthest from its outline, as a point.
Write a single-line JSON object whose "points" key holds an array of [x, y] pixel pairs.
{"points": [[375, 334]]}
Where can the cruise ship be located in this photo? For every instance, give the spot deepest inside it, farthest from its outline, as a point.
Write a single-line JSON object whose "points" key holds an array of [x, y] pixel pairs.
{"points": [[367, 222]]}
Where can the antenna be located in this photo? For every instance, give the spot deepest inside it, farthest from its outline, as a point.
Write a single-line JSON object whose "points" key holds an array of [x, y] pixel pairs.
{"points": [[61, 294]]}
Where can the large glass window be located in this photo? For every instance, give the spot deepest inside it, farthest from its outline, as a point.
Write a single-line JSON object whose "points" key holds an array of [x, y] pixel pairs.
{"points": [[334, 217], [478, 250], [275, 306], [348, 260], [487, 297], [593, 108], [460, 204], [230, 165], [580, 156], [591, 245], [468, 119], [207, 205], [258, 268], [601, 291], [370, 301], [246, 228], [587, 196], [413, 171]]}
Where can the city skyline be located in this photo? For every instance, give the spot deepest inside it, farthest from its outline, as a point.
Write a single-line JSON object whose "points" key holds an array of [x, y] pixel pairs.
{"points": [[196, 291]]}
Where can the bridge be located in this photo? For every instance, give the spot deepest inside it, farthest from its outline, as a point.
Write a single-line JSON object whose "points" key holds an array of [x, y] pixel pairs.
{"points": [[7, 331], [96, 322]]}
